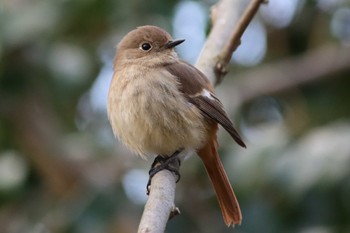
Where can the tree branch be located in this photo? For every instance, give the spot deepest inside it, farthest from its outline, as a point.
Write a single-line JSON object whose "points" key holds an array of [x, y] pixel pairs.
{"points": [[222, 41], [159, 204], [36, 132], [317, 64], [276, 77], [224, 37]]}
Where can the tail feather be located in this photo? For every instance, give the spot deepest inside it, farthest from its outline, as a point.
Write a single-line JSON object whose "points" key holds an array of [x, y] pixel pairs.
{"points": [[224, 192]]}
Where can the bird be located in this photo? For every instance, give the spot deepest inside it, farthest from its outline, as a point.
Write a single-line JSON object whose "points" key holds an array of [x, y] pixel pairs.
{"points": [[161, 105]]}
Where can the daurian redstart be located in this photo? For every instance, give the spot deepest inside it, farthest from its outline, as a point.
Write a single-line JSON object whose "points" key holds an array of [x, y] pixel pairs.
{"points": [[159, 104]]}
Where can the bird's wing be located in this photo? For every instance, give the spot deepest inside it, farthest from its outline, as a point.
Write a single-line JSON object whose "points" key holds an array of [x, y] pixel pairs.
{"points": [[198, 90]]}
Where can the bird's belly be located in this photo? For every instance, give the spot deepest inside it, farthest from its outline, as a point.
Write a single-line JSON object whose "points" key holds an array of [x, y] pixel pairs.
{"points": [[157, 122]]}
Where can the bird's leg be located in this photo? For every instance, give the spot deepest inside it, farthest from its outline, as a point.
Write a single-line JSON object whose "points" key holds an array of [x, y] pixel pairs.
{"points": [[171, 163]]}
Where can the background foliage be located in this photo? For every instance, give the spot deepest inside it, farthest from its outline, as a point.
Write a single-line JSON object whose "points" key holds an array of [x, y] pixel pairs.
{"points": [[61, 170]]}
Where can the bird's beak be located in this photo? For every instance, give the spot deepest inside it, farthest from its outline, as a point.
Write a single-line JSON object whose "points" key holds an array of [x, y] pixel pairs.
{"points": [[171, 44]]}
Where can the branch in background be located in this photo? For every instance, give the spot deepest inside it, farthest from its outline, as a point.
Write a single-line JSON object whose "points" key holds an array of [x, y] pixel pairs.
{"points": [[37, 133], [217, 51], [290, 73], [286, 74]]}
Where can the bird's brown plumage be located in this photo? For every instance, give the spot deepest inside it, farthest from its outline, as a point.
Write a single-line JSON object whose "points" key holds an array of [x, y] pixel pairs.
{"points": [[192, 83], [158, 104]]}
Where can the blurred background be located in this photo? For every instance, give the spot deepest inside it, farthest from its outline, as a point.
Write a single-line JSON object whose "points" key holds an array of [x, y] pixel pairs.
{"points": [[288, 92]]}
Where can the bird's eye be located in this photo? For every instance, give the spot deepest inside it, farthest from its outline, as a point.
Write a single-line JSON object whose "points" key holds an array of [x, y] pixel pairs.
{"points": [[146, 46]]}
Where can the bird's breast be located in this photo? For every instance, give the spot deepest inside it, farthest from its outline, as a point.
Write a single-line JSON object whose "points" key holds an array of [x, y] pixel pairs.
{"points": [[150, 115]]}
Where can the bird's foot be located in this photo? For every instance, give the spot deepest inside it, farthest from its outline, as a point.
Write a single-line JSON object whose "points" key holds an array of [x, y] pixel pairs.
{"points": [[171, 163]]}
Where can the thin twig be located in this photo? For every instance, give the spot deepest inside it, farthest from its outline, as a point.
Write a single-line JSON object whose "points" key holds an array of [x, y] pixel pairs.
{"points": [[225, 37], [242, 25]]}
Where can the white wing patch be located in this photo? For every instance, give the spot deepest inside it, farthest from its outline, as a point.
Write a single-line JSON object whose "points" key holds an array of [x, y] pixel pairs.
{"points": [[206, 93]]}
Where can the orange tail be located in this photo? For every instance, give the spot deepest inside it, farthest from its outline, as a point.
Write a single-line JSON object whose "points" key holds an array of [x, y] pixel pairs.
{"points": [[224, 193]]}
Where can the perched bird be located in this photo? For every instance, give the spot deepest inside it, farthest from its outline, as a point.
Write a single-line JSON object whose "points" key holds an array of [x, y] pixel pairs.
{"points": [[161, 105]]}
